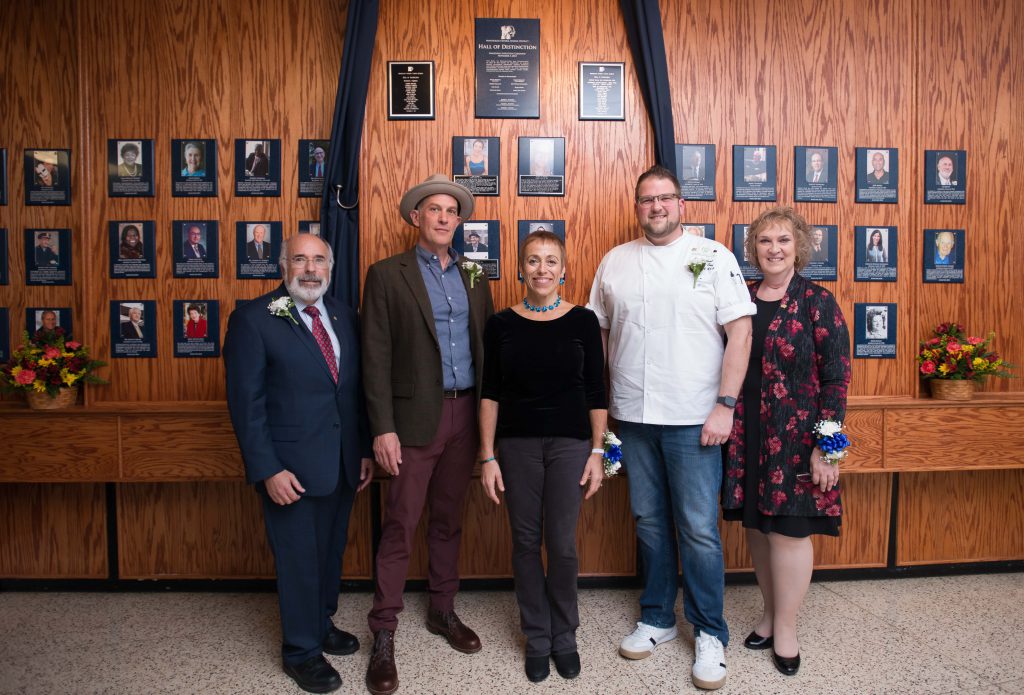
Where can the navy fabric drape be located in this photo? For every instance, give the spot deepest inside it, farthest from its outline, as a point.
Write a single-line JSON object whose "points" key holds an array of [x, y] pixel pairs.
{"points": [[647, 42], [340, 224]]}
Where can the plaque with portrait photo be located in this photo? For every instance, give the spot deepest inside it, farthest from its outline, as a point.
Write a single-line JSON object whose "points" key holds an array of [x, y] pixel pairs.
{"points": [[133, 328], [695, 169], [878, 175], [876, 253], [257, 247], [410, 90], [194, 168], [47, 177], [5, 258], [824, 253], [257, 168], [814, 174], [312, 167], [527, 227], [196, 245], [507, 66], [310, 227], [944, 255], [5, 335], [945, 177], [602, 91], [196, 328], [49, 318], [3, 176], [701, 229], [48, 257], [132, 249], [129, 168], [739, 250], [753, 173], [874, 331], [541, 166], [476, 164], [480, 242]]}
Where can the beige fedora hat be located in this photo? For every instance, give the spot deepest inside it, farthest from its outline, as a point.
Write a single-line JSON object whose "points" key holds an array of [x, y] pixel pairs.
{"points": [[438, 183]]}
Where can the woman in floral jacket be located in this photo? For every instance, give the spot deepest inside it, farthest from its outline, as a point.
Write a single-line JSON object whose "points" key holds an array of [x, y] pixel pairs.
{"points": [[777, 481]]}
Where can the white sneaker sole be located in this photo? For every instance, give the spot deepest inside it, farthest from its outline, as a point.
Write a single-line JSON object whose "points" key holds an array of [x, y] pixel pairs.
{"points": [[708, 685], [644, 654]]}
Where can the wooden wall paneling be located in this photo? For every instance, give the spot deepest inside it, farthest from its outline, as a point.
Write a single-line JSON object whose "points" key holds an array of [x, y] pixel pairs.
{"points": [[954, 438], [53, 531], [863, 539], [866, 431], [606, 535], [177, 447], [56, 448], [962, 516]]}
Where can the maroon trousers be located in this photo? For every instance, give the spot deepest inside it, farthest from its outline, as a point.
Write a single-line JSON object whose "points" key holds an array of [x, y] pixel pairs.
{"points": [[437, 473]]}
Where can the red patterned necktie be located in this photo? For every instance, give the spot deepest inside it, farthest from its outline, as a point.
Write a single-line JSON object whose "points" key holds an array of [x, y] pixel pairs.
{"points": [[323, 340]]}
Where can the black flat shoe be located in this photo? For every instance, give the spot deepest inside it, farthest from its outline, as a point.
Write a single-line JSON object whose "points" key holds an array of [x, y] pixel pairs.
{"points": [[537, 668], [314, 675], [567, 665], [787, 666], [756, 641], [340, 643]]}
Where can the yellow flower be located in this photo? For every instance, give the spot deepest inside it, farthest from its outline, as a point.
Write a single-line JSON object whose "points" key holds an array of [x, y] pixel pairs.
{"points": [[45, 362], [38, 386], [68, 378], [15, 371], [67, 354], [943, 369], [968, 349], [979, 363]]}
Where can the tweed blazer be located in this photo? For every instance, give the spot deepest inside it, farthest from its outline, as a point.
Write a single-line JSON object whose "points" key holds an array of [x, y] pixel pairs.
{"points": [[401, 356]]}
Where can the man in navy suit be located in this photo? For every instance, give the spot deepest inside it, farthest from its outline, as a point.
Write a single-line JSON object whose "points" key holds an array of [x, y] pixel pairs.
{"points": [[295, 395], [192, 249]]}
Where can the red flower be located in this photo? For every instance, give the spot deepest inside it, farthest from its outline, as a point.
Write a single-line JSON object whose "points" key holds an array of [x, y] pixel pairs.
{"points": [[25, 377], [933, 342], [779, 498], [794, 326], [779, 390], [737, 493], [953, 346], [774, 445], [774, 325], [776, 476], [820, 333], [72, 345], [792, 308], [787, 350], [927, 367], [833, 510]]}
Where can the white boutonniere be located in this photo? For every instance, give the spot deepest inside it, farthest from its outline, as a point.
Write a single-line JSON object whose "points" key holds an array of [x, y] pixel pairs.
{"points": [[699, 260], [474, 270], [282, 307]]}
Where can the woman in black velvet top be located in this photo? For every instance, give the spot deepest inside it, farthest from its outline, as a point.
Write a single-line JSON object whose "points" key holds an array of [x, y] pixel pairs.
{"points": [[543, 396]]}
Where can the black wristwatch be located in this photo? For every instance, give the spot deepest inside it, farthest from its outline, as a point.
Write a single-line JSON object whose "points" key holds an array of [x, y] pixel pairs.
{"points": [[727, 401]]}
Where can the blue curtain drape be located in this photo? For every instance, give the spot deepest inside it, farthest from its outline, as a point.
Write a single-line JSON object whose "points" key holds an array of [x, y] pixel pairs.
{"points": [[339, 211], [647, 43]]}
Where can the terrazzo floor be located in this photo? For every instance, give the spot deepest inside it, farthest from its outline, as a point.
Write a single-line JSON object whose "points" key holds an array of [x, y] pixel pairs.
{"points": [[915, 636]]}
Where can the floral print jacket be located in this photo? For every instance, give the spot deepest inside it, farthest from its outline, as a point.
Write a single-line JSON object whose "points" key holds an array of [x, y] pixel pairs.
{"points": [[805, 373]]}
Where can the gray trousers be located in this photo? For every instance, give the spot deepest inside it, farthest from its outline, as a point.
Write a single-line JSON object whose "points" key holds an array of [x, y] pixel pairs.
{"points": [[543, 496]]}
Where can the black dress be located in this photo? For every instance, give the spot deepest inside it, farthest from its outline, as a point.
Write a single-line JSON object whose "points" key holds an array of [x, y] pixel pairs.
{"points": [[793, 526]]}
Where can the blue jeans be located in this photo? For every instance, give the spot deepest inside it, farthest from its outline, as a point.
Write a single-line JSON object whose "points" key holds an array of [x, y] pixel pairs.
{"points": [[672, 478]]}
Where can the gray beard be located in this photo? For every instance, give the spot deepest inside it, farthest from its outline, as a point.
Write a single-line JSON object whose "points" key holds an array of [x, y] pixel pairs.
{"points": [[307, 296]]}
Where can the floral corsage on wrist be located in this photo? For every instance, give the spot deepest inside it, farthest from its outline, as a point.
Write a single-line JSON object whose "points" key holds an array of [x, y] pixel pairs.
{"points": [[612, 454], [699, 260], [831, 440], [282, 307], [474, 270]]}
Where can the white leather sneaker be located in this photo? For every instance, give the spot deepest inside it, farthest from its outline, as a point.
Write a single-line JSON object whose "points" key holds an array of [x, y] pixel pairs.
{"points": [[709, 662], [640, 643]]}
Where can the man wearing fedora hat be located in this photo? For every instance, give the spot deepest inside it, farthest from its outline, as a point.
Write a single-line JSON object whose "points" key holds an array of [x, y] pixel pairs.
{"points": [[423, 323]]}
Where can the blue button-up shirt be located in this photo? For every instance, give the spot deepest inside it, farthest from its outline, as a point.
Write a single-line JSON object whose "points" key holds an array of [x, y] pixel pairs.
{"points": [[450, 304]]}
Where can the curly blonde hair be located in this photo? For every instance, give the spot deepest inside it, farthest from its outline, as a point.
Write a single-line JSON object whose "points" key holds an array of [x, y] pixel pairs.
{"points": [[785, 216]]}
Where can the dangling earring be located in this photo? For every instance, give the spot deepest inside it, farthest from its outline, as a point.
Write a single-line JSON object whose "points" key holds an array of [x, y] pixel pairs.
{"points": [[561, 280]]}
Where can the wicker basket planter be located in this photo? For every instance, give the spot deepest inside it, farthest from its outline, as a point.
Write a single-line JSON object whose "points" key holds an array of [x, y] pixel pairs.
{"points": [[952, 389], [43, 401]]}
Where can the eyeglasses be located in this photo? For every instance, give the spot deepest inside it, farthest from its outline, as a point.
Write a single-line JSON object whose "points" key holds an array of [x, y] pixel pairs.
{"points": [[647, 201], [302, 261]]}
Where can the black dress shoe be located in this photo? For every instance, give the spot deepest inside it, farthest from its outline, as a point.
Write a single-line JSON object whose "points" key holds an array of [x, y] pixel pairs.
{"points": [[537, 668], [340, 643], [567, 665], [756, 641], [314, 675], [788, 666]]}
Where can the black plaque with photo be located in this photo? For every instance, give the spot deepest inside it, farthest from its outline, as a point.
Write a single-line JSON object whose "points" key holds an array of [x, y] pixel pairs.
{"points": [[877, 253], [48, 256], [196, 248], [196, 328], [739, 250], [309, 227], [602, 92], [194, 168], [814, 174], [507, 68], [824, 253], [753, 173], [945, 177], [133, 328], [130, 168], [257, 246], [695, 169], [312, 167], [3, 176], [410, 90], [878, 175], [944, 255], [257, 168], [5, 258], [132, 249], [480, 241], [5, 335], [874, 331], [701, 229], [541, 166], [49, 318], [47, 177], [476, 164]]}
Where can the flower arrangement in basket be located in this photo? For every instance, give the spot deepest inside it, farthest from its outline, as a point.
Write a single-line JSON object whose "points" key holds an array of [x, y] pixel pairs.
{"points": [[951, 355], [48, 365]]}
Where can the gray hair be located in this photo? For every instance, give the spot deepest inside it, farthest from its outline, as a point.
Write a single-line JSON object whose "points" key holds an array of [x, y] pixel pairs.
{"points": [[282, 259]]}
